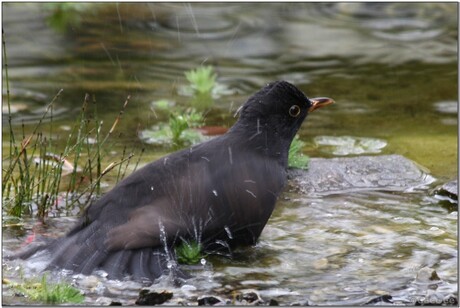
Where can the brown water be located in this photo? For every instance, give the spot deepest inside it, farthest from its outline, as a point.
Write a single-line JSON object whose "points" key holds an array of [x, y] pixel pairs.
{"points": [[392, 69]]}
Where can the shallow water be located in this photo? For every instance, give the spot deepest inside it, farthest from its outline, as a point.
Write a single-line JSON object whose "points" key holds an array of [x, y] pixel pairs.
{"points": [[392, 69], [337, 249]]}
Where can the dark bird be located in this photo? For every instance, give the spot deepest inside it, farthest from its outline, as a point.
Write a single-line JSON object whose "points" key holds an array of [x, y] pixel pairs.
{"points": [[219, 193]]}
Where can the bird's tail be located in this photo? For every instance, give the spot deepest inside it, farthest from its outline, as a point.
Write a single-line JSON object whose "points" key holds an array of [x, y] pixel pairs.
{"points": [[85, 256]]}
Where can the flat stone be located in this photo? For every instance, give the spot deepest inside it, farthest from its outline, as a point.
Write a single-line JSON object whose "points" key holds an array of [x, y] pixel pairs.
{"points": [[343, 174]]}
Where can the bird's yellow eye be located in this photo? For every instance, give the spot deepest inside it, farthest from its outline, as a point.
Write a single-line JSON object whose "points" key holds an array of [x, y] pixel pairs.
{"points": [[294, 111]]}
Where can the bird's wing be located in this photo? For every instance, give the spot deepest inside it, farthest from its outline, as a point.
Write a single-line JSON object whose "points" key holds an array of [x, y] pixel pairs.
{"points": [[170, 202], [203, 199]]}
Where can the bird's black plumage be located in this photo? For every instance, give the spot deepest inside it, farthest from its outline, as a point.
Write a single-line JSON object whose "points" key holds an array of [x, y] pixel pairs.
{"points": [[220, 192]]}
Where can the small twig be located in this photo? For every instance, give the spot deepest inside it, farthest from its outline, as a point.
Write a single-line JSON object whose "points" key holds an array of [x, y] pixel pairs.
{"points": [[120, 114], [106, 170]]}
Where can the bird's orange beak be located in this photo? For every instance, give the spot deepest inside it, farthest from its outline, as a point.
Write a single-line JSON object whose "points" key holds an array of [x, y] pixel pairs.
{"points": [[319, 102]]}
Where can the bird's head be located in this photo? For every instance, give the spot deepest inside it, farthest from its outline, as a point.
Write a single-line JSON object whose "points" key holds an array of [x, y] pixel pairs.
{"points": [[278, 110]]}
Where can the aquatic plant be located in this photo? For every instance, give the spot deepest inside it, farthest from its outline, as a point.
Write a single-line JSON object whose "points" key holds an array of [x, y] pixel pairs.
{"points": [[35, 174], [202, 79], [36, 171], [162, 104], [203, 87], [179, 122], [296, 158], [63, 15], [349, 145], [43, 291], [179, 131], [189, 252]]}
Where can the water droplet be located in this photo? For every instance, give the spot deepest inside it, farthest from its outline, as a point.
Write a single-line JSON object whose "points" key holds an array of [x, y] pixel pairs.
{"points": [[203, 261], [151, 188], [251, 193], [214, 192], [229, 233], [101, 273], [230, 157]]}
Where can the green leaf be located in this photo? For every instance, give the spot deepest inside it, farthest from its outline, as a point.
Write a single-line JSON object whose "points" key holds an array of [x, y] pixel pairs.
{"points": [[189, 252]]}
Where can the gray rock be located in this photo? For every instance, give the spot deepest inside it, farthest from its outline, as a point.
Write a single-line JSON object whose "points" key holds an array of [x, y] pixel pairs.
{"points": [[342, 174], [273, 302], [149, 297], [449, 189], [107, 301], [427, 275], [249, 296], [381, 300], [210, 300], [301, 303]]}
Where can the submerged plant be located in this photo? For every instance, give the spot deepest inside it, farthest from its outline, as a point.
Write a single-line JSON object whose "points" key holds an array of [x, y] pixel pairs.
{"points": [[49, 293], [296, 158], [189, 253]]}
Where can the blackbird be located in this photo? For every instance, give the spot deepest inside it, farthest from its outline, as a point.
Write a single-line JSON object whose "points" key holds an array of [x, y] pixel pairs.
{"points": [[219, 193]]}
